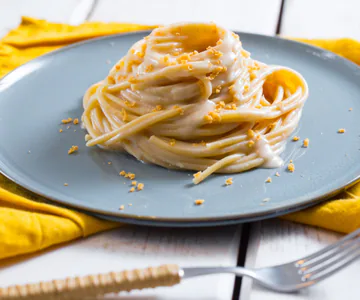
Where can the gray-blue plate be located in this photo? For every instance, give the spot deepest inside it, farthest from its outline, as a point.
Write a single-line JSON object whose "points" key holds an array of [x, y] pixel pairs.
{"points": [[37, 96]]}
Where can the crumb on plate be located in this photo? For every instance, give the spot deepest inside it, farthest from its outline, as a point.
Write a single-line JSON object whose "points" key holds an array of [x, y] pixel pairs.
{"points": [[277, 174], [229, 181], [121, 207], [66, 184], [132, 190], [199, 201], [131, 176], [134, 183], [306, 143], [66, 121], [76, 121], [268, 180], [73, 149], [60, 130], [295, 138], [140, 186], [291, 167], [341, 130]]}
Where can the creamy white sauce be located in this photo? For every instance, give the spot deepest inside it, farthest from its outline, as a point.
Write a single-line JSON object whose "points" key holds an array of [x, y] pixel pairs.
{"points": [[263, 149]]}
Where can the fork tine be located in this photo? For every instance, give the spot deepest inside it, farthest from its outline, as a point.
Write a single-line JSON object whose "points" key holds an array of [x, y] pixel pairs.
{"points": [[330, 247], [333, 261], [328, 255], [324, 275]]}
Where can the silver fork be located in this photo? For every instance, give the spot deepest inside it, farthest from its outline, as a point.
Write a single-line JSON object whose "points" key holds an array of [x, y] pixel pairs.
{"points": [[288, 277], [297, 274]]}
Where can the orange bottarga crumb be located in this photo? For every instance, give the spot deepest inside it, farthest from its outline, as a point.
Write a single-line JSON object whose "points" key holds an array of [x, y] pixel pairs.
{"points": [[111, 80], [172, 142], [122, 207], [166, 58], [208, 119], [60, 130], [199, 201], [251, 133], [149, 68], [140, 186], [306, 143], [229, 181], [295, 138], [291, 167], [341, 130], [131, 176], [268, 180], [215, 116], [132, 190], [133, 183], [122, 173], [76, 121], [140, 54], [196, 175], [130, 104], [66, 121], [157, 108], [73, 149]]}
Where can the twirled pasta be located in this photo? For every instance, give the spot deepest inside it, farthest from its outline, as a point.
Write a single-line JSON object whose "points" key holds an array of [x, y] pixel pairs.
{"points": [[188, 96]]}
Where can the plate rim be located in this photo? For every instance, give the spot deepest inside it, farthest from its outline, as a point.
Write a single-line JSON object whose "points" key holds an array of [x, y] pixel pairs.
{"points": [[175, 221]]}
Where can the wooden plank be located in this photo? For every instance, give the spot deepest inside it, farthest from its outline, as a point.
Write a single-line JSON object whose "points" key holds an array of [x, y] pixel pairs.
{"points": [[259, 16], [321, 19], [275, 241], [138, 247], [12, 10]]}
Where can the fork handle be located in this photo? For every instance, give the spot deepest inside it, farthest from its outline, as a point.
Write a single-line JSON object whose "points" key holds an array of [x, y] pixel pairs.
{"points": [[78, 287]]}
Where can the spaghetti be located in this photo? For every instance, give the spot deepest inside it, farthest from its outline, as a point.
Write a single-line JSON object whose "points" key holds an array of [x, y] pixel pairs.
{"points": [[188, 96]]}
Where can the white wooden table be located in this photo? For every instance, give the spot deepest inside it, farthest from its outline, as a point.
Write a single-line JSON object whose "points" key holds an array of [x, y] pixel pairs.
{"points": [[253, 245]]}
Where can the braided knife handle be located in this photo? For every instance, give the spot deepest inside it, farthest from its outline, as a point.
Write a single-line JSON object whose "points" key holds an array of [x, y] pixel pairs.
{"points": [[92, 285]]}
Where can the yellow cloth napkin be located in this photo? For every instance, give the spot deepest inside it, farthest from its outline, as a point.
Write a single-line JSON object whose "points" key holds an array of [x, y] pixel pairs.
{"points": [[28, 224]]}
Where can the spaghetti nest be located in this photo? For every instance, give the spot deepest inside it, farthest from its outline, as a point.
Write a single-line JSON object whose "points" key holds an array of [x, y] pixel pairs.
{"points": [[188, 96]]}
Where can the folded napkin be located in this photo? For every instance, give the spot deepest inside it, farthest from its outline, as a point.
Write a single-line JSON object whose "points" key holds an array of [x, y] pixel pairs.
{"points": [[28, 223]]}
